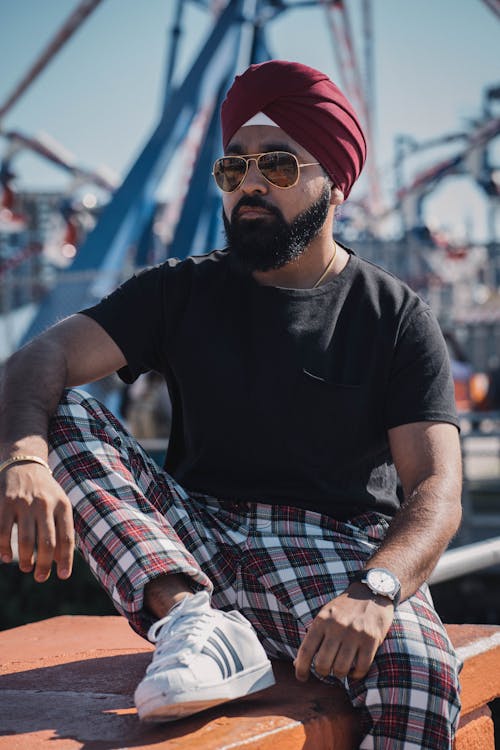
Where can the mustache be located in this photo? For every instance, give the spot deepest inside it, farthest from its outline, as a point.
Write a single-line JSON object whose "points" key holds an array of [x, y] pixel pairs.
{"points": [[255, 201]]}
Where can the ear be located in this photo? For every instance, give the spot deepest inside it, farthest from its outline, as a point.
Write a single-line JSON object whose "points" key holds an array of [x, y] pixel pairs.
{"points": [[337, 196]]}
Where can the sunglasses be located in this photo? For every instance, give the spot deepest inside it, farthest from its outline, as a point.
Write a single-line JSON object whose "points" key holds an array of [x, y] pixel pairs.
{"points": [[279, 168]]}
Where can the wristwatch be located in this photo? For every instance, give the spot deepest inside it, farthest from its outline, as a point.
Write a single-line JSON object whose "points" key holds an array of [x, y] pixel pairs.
{"points": [[382, 582]]}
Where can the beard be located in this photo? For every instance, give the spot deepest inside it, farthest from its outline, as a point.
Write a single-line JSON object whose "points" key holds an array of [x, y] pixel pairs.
{"points": [[270, 243]]}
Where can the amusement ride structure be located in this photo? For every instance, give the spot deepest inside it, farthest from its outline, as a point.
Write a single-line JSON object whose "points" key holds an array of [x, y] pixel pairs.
{"points": [[131, 223]]}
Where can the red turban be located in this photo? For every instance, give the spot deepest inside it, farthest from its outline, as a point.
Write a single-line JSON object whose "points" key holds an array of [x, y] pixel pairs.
{"points": [[308, 107]]}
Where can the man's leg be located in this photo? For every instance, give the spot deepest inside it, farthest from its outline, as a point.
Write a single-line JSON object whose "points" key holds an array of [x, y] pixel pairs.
{"points": [[119, 500], [410, 697], [141, 535], [295, 562], [163, 593]]}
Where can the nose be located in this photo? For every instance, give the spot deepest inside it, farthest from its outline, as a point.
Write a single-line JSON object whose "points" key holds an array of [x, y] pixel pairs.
{"points": [[254, 181]]}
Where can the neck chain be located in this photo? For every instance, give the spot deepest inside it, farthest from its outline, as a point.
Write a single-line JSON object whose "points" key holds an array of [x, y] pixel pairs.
{"points": [[328, 266]]}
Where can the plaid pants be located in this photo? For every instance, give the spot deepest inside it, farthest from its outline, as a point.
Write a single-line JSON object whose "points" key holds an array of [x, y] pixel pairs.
{"points": [[278, 565]]}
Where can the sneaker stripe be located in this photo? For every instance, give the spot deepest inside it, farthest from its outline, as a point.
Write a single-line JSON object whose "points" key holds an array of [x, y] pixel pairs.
{"points": [[208, 652], [227, 643], [213, 642]]}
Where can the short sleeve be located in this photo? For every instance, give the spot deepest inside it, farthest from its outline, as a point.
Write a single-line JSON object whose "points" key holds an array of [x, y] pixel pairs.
{"points": [[420, 385], [133, 316]]}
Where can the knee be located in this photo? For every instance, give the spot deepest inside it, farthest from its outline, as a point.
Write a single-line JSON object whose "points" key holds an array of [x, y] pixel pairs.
{"points": [[418, 678], [73, 399], [431, 670], [76, 409], [75, 403], [418, 650], [407, 689]]}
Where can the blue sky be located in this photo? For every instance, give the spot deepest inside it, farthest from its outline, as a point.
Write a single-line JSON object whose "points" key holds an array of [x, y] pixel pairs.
{"points": [[101, 95]]}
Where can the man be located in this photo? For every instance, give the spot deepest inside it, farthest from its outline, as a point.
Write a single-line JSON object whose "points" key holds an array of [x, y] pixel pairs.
{"points": [[301, 379]]}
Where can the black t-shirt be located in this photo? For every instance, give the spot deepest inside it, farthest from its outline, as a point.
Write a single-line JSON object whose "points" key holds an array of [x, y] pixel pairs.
{"points": [[284, 395]]}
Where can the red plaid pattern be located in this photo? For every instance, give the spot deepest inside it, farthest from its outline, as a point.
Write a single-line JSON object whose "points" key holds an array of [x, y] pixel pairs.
{"points": [[278, 565]]}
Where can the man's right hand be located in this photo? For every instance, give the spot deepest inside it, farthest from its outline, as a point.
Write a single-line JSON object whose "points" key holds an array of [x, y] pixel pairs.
{"points": [[30, 497], [76, 350]]}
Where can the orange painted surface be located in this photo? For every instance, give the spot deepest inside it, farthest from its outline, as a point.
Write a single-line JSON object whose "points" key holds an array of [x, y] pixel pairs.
{"points": [[67, 684], [476, 731], [480, 676]]}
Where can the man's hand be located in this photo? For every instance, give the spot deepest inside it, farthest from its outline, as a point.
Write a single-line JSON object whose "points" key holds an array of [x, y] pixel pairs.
{"points": [[76, 350], [30, 497], [345, 635]]}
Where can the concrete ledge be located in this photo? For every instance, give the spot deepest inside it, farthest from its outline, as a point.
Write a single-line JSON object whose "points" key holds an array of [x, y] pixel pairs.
{"points": [[67, 684]]}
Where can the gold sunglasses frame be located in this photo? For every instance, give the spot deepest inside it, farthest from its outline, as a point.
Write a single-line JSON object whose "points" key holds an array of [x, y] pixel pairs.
{"points": [[247, 158]]}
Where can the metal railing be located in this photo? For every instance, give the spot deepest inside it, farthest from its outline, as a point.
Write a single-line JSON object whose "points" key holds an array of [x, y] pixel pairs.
{"points": [[465, 560]]}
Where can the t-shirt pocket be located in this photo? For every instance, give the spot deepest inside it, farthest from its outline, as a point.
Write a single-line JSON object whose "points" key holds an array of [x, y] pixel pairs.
{"points": [[324, 417]]}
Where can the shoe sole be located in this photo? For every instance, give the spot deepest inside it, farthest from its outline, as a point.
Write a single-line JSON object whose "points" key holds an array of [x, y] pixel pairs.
{"points": [[164, 707]]}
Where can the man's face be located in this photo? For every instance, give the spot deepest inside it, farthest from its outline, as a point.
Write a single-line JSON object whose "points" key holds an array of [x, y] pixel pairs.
{"points": [[268, 226]]}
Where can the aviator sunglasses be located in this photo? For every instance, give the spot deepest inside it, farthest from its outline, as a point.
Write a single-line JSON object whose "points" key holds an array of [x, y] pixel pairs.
{"points": [[279, 168]]}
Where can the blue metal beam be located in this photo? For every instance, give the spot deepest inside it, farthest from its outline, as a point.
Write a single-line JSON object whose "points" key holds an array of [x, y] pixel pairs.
{"points": [[175, 34], [125, 217], [260, 50], [192, 234], [199, 228]]}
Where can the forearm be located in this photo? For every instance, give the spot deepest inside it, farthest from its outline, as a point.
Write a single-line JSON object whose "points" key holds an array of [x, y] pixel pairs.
{"points": [[31, 387], [420, 532], [348, 630]]}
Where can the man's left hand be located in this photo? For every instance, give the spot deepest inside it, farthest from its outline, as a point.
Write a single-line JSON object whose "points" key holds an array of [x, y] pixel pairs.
{"points": [[345, 635]]}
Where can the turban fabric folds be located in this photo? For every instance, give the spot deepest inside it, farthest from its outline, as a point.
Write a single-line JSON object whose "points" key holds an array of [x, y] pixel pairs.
{"points": [[308, 106]]}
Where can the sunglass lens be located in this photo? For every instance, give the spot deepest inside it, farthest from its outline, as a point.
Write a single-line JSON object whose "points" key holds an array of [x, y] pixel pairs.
{"points": [[280, 168], [229, 172]]}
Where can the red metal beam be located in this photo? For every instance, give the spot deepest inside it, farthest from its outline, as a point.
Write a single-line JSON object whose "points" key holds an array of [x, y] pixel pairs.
{"points": [[55, 153], [354, 85], [493, 5], [66, 31]]}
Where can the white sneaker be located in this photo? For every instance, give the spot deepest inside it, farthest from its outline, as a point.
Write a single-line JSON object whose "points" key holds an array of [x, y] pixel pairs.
{"points": [[203, 657]]}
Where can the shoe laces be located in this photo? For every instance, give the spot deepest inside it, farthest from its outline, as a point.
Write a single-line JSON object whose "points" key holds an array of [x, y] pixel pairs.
{"points": [[179, 636]]}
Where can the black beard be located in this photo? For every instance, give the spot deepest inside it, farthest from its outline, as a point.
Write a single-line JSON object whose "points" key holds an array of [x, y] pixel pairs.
{"points": [[268, 244]]}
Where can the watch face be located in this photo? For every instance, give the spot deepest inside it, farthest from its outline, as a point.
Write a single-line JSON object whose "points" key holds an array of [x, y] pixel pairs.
{"points": [[381, 581]]}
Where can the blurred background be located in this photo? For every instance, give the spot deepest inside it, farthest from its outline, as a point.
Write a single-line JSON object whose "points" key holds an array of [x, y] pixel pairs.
{"points": [[108, 131]]}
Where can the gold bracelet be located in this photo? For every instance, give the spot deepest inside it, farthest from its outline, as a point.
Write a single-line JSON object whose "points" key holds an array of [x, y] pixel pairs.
{"points": [[21, 457]]}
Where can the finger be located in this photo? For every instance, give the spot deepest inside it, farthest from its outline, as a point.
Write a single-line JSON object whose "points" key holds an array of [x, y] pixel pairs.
{"points": [[346, 656], [6, 526], [26, 542], [326, 656], [306, 653], [46, 543], [363, 661], [65, 541]]}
